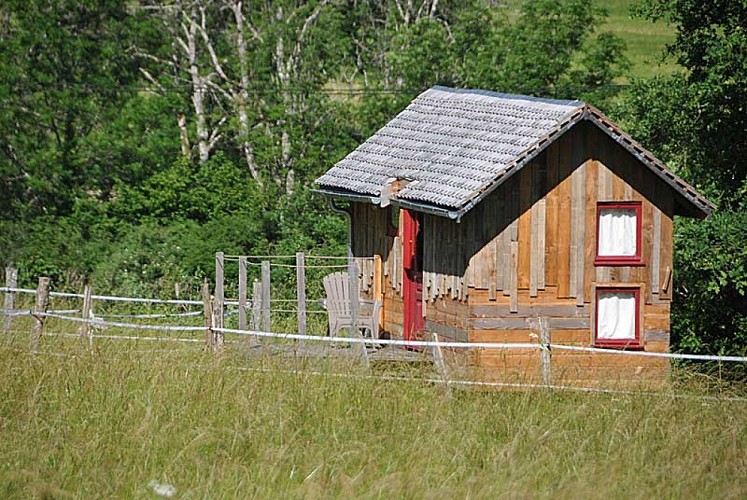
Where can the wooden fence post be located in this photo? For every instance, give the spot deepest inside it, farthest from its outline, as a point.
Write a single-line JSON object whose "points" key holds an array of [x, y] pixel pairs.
{"points": [[242, 293], [217, 336], [219, 297], [266, 320], [207, 305], [86, 332], [545, 357], [301, 292], [11, 281], [40, 307], [438, 359], [256, 305]]}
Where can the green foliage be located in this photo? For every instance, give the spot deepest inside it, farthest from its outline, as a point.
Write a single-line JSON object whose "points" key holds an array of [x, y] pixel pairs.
{"points": [[709, 103], [64, 67], [709, 312], [548, 49], [696, 122]]}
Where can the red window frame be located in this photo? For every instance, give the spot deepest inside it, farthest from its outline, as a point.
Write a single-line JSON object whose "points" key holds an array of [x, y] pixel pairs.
{"points": [[621, 260], [633, 344]]}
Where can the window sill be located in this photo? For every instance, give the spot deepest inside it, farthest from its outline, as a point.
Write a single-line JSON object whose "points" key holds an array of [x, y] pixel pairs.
{"points": [[636, 262], [633, 346]]}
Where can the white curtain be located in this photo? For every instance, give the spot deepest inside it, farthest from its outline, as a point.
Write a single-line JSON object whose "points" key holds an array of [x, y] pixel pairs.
{"points": [[616, 313], [617, 232]]}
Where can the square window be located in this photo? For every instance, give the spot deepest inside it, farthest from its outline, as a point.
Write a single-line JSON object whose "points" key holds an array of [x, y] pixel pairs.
{"points": [[617, 317], [618, 234]]}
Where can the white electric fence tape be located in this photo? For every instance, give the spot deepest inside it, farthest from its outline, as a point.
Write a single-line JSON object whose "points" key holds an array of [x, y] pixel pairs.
{"points": [[355, 340]]}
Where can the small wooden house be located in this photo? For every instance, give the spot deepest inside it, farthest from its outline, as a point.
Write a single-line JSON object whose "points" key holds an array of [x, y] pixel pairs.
{"points": [[476, 213]]}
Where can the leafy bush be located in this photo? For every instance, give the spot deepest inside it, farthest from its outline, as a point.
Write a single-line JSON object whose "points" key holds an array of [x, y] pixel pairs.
{"points": [[709, 313]]}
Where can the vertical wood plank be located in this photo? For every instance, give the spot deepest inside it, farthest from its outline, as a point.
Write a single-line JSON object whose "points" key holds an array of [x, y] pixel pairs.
{"points": [[538, 218], [514, 302], [655, 252], [647, 231], [525, 225], [627, 192], [580, 243], [534, 251], [551, 217], [618, 187], [500, 248], [513, 231], [564, 219], [576, 194], [581, 238], [219, 296], [590, 223], [301, 292], [242, 292], [578, 206], [396, 266], [604, 189], [665, 262], [541, 243], [379, 286]]}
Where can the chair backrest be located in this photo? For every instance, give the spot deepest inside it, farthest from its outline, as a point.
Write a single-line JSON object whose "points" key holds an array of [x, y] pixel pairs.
{"points": [[336, 286]]}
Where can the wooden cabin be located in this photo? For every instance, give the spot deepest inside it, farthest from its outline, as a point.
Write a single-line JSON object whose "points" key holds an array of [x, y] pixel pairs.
{"points": [[486, 213]]}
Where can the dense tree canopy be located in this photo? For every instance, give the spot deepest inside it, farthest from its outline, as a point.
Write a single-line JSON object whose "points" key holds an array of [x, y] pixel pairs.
{"points": [[137, 138]]}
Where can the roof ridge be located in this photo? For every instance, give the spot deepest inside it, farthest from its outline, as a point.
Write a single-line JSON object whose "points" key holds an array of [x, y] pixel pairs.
{"points": [[502, 95]]}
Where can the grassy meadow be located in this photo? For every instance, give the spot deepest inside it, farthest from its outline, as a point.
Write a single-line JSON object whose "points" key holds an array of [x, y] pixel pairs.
{"points": [[106, 423], [646, 41]]}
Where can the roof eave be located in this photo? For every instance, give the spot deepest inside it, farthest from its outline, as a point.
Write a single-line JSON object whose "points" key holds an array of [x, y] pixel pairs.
{"points": [[347, 195], [699, 206], [376, 200]]}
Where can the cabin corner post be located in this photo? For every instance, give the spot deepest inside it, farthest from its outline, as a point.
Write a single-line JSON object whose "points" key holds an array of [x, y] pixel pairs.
{"points": [[40, 309]]}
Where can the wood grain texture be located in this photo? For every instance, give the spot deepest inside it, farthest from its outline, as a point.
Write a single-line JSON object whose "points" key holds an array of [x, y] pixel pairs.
{"points": [[551, 217], [514, 276], [590, 233], [525, 227], [563, 259]]}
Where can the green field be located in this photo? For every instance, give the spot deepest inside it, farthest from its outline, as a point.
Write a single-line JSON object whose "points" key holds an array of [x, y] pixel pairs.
{"points": [[105, 424], [646, 41]]}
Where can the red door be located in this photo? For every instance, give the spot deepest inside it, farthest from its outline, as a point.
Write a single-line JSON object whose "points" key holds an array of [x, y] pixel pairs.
{"points": [[412, 260]]}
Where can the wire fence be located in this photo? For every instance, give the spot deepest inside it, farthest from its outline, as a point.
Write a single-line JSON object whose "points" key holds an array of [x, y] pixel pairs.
{"points": [[173, 327]]}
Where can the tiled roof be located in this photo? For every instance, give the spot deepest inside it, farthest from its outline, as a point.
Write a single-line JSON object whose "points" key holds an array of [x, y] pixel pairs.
{"points": [[450, 142], [453, 145]]}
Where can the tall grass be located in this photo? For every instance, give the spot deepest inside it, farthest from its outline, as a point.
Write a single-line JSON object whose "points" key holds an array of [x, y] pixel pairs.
{"points": [[108, 422]]}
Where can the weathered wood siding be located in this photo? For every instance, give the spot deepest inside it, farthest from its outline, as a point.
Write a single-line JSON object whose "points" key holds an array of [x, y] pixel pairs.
{"points": [[534, 241], [527, 250]]}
